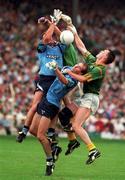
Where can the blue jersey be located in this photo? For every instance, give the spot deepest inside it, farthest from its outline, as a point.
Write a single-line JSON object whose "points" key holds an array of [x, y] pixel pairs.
{"points": [[48, 53], [58, 90]]}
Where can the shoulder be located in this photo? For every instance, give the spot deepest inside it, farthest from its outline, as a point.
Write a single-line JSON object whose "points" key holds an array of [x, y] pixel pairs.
{"points": [[99, 69], [41, 47], [61, 45]]}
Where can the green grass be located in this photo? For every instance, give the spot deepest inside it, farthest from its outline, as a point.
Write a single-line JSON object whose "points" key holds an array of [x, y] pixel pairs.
{"points": [[26, 161]]}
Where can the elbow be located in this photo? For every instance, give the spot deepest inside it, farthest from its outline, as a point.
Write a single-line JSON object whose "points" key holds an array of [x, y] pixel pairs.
{"points": [[46, 40]]}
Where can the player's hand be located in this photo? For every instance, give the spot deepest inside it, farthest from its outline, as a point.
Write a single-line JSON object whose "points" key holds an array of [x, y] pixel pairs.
{"points": [[53, 19], [65, 71], [52, 65], [57, 15], [42, 20], [67, 19], [72, 29]]}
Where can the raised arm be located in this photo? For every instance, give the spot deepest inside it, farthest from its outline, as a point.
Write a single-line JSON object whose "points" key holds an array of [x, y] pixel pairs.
{"points": [[60, 76], [56, 29], [52, 27], [48, 34], [79, 44]]}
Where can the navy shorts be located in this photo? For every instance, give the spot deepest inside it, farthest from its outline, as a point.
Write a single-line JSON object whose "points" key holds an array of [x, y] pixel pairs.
{"points": [[43, 83], [49, 110]]}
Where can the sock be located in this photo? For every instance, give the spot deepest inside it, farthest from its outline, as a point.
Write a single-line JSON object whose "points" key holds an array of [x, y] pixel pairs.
{"points": [[71, 136], [49, 158], [51, 130], [51, 133], [25, 129], [53, 146], [91, 147]]}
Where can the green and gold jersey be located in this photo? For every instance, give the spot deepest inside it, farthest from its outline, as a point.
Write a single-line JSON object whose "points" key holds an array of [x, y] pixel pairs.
{"points": [[95, 75], [70, 56]]}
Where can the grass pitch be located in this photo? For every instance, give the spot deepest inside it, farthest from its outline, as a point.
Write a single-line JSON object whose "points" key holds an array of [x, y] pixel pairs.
{"points": [[26, 161]]}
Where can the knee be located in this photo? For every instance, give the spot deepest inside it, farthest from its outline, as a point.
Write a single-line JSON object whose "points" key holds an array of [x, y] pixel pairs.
{"points": [[75, 126], [41, 137], [31, 130]]}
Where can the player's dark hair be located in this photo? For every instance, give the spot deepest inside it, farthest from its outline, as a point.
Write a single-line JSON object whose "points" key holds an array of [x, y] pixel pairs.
{"points": [[84, 69], [110, 57]]}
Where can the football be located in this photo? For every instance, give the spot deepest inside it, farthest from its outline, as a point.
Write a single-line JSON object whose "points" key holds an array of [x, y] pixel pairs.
{"points": [[66, 37]]}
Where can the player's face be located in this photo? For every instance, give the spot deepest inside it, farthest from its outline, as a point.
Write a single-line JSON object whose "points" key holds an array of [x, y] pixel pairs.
{"points": [[42, 28], [78, 68], [102, 55]]}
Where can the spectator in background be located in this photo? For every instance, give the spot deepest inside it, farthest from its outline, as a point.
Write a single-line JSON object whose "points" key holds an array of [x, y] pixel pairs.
{"points": [[5, 124], [18, 49]]}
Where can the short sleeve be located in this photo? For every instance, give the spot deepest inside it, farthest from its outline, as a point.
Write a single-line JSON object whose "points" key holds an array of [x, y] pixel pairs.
{"points": [[89, 58], [96, 73], [62, 47]]}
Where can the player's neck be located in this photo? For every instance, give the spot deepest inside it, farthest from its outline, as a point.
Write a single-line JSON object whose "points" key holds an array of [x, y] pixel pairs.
{"points": [[99, 63]]}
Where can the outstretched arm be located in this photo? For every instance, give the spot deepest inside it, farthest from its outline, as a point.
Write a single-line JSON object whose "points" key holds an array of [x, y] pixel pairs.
{"points": [[78, 77], [79, 44]]}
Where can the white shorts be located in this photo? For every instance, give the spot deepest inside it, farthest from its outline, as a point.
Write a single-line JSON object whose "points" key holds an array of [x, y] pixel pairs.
{"points": [[91, 101]]}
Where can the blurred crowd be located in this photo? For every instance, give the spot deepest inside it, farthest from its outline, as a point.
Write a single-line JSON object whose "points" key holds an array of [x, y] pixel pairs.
{"points": [[100, 25]]}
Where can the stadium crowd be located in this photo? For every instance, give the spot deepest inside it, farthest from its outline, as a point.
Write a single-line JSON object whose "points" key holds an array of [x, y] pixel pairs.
{"points": [[100, 27]]}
